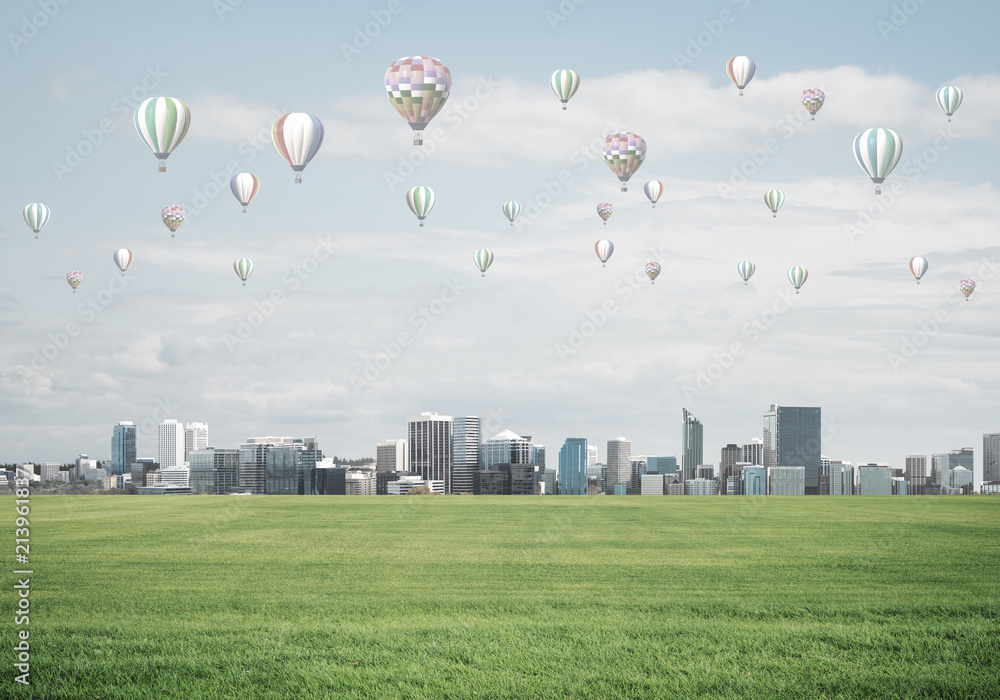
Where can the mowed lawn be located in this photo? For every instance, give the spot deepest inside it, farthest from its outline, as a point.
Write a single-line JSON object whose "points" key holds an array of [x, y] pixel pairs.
{"points": [[511, 597]]}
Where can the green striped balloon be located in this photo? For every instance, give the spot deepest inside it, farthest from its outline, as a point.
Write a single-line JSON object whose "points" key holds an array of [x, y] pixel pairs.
{"points": [[162, 123], [511, 209], [36, 215], [877, 152], [774, 199], [564, 84], [483, 259], [949, 98], [420, 199], [244, 268], [797, 275]]}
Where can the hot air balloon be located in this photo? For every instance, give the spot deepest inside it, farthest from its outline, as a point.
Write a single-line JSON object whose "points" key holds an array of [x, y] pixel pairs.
{"points": [[812, 100], [604, 249], [483, 259], [74, 279], [624, 153], [797, 275], [918, 266], [511, 209], [967, 287], [418, 87], [604, 210], [877, 152], [774, 199], [652, 271], [564, 84], [653, 190], [950, 98], [741, 70], [162, 123], [36, 215], [746, 269], [243, 267], [421, 200], [245, 187], [297, 136], [173, 216], [123, 258]]}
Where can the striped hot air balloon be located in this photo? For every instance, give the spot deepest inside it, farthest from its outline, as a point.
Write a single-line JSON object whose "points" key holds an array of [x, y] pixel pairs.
{"points": [[162, 123], [564, 84], [877, 152], [604, 210], [420, 200], [173, 216], [511, 209], [652, 271], [746, 269], [774, 199], [624, 152], [653, 190], [74, 279], [797, 275], [418, 87], [245, 187], [297, 136], [483, 259], [918, 267], [244, 268], [967, 287], [812, 100], [741, 70], [949, 98], [123, 258], [36, 215], [604, 249]]}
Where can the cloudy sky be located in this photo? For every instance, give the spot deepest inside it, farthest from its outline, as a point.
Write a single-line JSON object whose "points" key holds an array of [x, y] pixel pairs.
{"points": [[355, 319]]}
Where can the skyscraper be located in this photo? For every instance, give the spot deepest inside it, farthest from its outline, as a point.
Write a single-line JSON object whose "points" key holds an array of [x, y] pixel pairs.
{"points": [[252, 473], [619, 463], [573, 467], [507, 448], [170, 444], [464, 453], [731, 455], [792, 438], [214, 471], [392, 456], [916, 473], [538, 457], [195, 438], [753, 451], [754, 481], [591, 455], [122, 448], [429, 437], [991, 457], [692, 443]]}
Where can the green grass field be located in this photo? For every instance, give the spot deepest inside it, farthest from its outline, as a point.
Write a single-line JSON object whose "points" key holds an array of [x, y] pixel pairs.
{"points": [[510, 597]]}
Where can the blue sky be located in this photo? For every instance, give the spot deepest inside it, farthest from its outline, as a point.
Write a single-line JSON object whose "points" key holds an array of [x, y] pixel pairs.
{"points": [[498, 347]]}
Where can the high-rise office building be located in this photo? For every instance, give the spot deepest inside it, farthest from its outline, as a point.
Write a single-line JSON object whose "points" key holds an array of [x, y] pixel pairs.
{"points": [[732, 454], [288, 471], [874, 480], [538, 458], [591, 455], [753, 452], [392, 456], [792, 438], [573, 467], [122, 448], [786, 481], [195, 438], [50, 471], [639, 469], [915, 473], [754, 481], [507, 448], [961, 480], [661, 465], [429, 437], [991, 456], [253, 461], [214, 470], [464, 453], [170, 443], [840, 478], [692, 443], [619, 463]]}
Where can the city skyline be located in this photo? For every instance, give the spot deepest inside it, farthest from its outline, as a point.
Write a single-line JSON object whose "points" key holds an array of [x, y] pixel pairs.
{"points": [[355, 318]]}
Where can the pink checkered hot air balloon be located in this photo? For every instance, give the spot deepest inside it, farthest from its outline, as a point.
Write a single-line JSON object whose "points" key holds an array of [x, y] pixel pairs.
{"points": [[418, 87]]}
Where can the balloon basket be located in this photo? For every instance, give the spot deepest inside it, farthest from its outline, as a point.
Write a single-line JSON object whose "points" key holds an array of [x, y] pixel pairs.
{"points": [[421, 224], [878, 190], [654, 205], [244, 210], [774, 216], [511, 223], [123, 274], [812, 119], [244, 284], [741, 93], [949, 118], [624, 187], [745, 284], [298, 179], [483, 275], [36, 236], [603, 265], [796, 291], [163, 167], [564, 108], [418, 138]]}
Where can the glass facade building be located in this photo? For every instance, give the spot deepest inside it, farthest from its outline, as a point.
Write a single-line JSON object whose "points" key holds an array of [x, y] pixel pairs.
{"points": [[692, 443], [991, 457], [214, 471], [122, 448], [619, 463], [464, 453], [573, 467], [754, 481], [508, 448], [792, 438], [430, 442]]}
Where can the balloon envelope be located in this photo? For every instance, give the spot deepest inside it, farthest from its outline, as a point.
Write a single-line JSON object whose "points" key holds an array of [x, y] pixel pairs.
{"points": [[36, 215], [483, 259], [298, 137], [511, 209], [812, 100], [653, 190], [797, 275], [918, 266], [162, 123], [949, 98], [746, 269], [564, 84], [741, 70], [604, 249], [604, 210], [244, 268], [173, 216], [418, 87], [74, 279], [967, 287], [877, 152], [123, 258], [421, 200], [774, 199], [652, 271], [245, 187], [624, 152]]}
